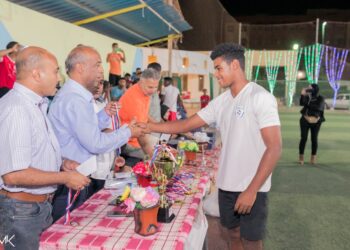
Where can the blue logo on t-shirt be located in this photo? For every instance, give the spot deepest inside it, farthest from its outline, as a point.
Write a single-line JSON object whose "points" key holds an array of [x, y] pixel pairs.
{"points": [[239, 112]]}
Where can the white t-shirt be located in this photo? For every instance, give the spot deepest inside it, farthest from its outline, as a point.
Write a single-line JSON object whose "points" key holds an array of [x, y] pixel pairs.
{"points": [[170, 97], [105, 161], [240, 120]]}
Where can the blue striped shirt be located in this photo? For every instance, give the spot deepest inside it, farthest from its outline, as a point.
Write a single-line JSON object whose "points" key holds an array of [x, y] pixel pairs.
{"points": [[77, 126], [27, 138]]}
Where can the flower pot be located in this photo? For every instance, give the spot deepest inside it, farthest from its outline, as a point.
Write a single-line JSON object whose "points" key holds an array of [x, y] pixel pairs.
{"points": [[146, 220], [190, 156], [144, 181]]}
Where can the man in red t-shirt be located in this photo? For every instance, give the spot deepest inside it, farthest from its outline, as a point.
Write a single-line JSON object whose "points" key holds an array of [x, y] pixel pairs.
{"points": [[8, 67], [204, 99]]}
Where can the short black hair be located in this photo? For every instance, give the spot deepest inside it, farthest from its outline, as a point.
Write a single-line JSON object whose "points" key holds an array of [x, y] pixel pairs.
{"points": [[229, 52], [11, 44], [168, 79], [156, 66], [127, 74]]}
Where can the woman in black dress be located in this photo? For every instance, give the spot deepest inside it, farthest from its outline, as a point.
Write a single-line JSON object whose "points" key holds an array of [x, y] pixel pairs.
{"points": [[311, 119]]}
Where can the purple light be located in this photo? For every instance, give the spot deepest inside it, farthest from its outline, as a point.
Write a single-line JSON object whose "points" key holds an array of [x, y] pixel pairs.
{"points": [[335, 67]]}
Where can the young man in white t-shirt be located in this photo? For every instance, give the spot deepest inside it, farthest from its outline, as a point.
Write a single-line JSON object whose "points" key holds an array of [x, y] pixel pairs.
{"points": [[247, 117], [169, 97]]}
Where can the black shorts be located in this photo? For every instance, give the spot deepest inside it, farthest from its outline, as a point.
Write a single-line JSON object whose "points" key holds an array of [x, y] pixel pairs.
{"points": [[253, 225], [114, 79]]}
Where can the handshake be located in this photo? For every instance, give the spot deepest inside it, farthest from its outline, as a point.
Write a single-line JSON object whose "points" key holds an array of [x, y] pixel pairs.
{"points": [[138, 128]]}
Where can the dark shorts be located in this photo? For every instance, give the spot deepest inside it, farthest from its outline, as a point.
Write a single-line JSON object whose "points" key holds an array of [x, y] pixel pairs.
{"points": [[114, 79], [253, 225]]}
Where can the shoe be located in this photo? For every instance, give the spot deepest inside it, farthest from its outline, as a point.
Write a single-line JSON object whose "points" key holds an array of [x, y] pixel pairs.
{"points": [[301, 159], [313, 159]]}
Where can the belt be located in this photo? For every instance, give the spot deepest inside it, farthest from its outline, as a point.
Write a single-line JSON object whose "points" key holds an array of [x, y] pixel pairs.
{"points": [[22, 196]]}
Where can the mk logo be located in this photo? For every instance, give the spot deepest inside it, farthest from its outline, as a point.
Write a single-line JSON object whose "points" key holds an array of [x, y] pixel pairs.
{"points": [[7, 240]]}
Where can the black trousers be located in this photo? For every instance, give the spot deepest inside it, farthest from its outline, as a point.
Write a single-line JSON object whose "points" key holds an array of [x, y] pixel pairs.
{"points": [[304, 131], [114, 79]]}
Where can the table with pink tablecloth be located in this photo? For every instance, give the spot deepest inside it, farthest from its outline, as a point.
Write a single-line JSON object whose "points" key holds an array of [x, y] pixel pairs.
{"points": [[94, 230]]}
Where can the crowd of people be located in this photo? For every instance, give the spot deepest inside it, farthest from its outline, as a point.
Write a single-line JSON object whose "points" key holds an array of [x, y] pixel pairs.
{"points": [[43, 142]]}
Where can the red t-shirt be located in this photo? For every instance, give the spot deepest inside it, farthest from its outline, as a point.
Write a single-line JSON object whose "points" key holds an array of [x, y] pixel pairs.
{"points": [[7, 72], [204, 100]]}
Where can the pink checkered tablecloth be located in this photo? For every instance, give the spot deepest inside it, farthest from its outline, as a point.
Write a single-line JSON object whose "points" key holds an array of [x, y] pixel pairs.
{"points": [[97, 231]]}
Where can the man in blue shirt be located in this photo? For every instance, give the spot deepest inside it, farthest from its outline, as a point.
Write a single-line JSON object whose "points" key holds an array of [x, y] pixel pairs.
{"points": [[75, 122]]}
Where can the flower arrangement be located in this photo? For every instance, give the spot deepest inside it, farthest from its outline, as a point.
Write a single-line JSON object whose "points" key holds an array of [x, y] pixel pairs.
{"points": [[142, 168], [190, 146], [143, 173], [141, 198]]}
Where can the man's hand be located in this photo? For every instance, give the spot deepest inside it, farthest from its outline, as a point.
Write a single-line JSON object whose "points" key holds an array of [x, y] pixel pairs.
{"points": [[245, 202], [144, 126], [136, 131], [69, 165], [111, 108], [76, 180]]}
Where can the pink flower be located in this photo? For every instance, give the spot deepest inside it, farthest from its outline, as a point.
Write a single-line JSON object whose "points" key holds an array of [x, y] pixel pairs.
{"points": [[151, 198], [141, 168], [130, 205], [138, 193]]}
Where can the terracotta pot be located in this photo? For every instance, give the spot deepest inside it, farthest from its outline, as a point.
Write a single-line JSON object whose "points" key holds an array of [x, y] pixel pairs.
{"points": [[146, 220], [144, 181], [190, 156]]}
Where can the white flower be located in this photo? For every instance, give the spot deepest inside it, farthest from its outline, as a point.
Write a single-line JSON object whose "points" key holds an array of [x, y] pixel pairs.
{"points": [[138, 193]]}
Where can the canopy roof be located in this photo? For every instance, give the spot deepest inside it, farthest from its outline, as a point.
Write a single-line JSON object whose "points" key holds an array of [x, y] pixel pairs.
{"points": [[131, 21]]}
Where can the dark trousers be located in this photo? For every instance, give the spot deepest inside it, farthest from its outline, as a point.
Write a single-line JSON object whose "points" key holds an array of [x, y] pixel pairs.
{"points": [[61, 195], [114, 79], [304, 131], [95, 186], [3, 91], [59, 202]]}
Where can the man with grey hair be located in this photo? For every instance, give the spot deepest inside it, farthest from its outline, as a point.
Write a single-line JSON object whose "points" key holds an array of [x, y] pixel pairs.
{"points": [[78, 128], [30, 159], [135, 104]]}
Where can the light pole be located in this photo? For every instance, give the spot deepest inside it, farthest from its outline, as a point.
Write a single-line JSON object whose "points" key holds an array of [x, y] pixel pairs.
{"points": [[323, 31]]}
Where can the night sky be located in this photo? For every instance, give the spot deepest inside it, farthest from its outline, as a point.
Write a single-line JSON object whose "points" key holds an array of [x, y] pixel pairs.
{"points": [[278, 8]]}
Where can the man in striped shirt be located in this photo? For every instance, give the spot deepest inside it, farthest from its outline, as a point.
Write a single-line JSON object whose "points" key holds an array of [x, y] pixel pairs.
{"points": [[30, 159]]}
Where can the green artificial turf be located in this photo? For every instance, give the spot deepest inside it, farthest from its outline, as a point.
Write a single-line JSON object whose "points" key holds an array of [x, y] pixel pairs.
{"points": [[309, 206]]}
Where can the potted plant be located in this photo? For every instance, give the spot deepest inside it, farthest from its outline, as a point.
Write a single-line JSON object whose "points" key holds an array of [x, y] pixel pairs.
{"points": [[144, 202], [143, 173], [190, 148]]}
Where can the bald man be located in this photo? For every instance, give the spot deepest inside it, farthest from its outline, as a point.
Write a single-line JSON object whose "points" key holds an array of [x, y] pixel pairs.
{"points": [[30, 154], [78, 128]]}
